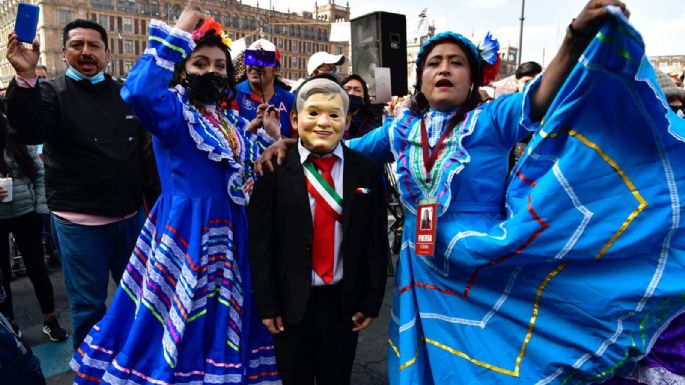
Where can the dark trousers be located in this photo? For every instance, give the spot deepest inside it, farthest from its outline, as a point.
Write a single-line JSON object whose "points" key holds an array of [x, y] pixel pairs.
{"points": [[322, 346], [27, 231]]}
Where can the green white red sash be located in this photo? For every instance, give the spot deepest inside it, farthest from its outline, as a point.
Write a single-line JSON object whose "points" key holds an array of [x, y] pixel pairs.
{"points": [[322, 192]]}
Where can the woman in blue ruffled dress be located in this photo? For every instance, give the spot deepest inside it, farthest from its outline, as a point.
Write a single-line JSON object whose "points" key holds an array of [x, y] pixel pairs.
{"points": [[565, 271], [183, 313]]}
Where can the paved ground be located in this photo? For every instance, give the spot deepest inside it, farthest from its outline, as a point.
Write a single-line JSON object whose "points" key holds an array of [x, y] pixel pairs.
{"points": [[370, 366]]}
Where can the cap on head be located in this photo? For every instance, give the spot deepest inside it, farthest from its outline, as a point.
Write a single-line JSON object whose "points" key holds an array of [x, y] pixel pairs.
{"points": [[266, 45], [669, 87], [323, 57]]}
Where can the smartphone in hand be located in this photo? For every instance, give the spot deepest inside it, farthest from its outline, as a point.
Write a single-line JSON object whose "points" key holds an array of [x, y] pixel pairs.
{"points": [[27, 22]]}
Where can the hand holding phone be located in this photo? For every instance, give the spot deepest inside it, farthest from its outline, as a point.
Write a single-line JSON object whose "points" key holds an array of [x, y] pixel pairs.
{"points": [[27, 22], [23, 59]]}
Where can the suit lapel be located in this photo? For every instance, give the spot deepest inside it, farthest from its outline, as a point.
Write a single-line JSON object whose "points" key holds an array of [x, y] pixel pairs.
{"points": [[349, 182], [298, 183]]}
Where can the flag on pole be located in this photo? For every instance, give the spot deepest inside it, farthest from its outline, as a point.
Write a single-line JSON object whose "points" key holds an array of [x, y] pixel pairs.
{"points": [[422, 24]]}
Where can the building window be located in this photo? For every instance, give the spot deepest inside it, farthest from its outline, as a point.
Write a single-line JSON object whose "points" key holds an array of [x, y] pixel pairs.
{"points": [[127, 66], [108, 4], [243, 24], [121, 5], [144, 7], [252, 25], [319, 36], [175, 11], [132, 6], [298, 32], [227, 20], [216, 16], [154, 8], [291, 30], [128, 46], [103, 20], [128, 24], [309, 47], [339, 51], [280, 43], [64, 16]]}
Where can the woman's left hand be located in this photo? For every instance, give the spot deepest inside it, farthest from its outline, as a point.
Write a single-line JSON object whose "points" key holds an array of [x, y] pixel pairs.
{"points": [[592, 15], [271, 123]]}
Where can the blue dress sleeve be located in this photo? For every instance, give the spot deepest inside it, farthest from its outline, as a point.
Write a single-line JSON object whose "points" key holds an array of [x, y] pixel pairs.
{"points": [[146, 89], [375, 144], [510, 115]]}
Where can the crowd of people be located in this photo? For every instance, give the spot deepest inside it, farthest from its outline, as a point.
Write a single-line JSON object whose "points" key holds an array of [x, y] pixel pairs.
{"points": [[245, 224]]}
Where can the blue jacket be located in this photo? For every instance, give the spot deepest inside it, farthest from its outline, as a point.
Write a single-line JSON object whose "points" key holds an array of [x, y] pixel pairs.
{"points": [[282, 100]]}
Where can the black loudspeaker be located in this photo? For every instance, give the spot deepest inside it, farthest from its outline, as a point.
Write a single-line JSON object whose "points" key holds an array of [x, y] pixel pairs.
{"points": [[379, 39]]}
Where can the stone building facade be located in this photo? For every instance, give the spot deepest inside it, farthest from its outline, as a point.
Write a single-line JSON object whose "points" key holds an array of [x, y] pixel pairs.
{"points": [[127, 21]]}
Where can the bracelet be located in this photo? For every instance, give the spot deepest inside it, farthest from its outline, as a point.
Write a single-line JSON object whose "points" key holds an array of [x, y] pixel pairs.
{"points": [[573, 34]]}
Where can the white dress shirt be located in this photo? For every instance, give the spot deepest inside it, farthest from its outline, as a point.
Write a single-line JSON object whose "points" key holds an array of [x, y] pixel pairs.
{"points": [[337, 175]]}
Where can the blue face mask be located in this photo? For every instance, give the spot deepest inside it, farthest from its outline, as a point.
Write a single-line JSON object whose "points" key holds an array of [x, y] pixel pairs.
{"points": [[72, 73]]}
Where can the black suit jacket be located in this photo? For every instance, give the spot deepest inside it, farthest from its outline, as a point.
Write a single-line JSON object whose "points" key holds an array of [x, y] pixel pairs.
{"points": [[281, 233]]}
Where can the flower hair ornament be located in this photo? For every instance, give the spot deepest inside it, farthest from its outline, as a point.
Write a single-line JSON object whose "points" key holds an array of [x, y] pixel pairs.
{"points": [[209, 24], [486, 55], [489, 54]]}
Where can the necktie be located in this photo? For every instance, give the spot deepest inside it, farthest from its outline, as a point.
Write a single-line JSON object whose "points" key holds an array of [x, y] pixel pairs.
{"points": [[324, 226]]}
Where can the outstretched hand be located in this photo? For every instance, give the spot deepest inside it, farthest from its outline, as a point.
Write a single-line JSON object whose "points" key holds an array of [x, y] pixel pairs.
{"points": [[278, 150], [591, 16], [23, 59], [191, 17]]}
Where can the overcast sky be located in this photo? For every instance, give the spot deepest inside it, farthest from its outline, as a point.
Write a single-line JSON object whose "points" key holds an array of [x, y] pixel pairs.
{"points": [[661, 22]]}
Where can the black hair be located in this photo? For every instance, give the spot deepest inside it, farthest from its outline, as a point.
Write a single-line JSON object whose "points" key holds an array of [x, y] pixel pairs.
{"points": [[210, 39], [18, 152], [82, 23], [419, 101], [367, 99], [529, 68]]}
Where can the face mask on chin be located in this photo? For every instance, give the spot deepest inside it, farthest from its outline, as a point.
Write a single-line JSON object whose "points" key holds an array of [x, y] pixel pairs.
{"points": [[75, 75], [207, 88]]}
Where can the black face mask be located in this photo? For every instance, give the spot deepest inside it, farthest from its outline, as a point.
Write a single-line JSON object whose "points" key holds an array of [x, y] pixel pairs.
{"points": [[207, 88], [356, 102]]}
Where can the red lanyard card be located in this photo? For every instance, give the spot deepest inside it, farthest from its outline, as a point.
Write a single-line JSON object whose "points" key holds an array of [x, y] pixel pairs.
{"points": [[426, 226]]}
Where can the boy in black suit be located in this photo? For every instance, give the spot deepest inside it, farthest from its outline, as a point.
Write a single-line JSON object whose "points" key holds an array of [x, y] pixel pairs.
{"points": [[318, 244]]}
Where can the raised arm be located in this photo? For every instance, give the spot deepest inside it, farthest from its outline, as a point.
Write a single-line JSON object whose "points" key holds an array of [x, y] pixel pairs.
{"points": [[146, 88], [580, 32], [31, 108]]}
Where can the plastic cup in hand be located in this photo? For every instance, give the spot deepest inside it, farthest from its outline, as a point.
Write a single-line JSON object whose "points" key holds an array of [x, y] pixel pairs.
{"points": [[6, 183]]}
